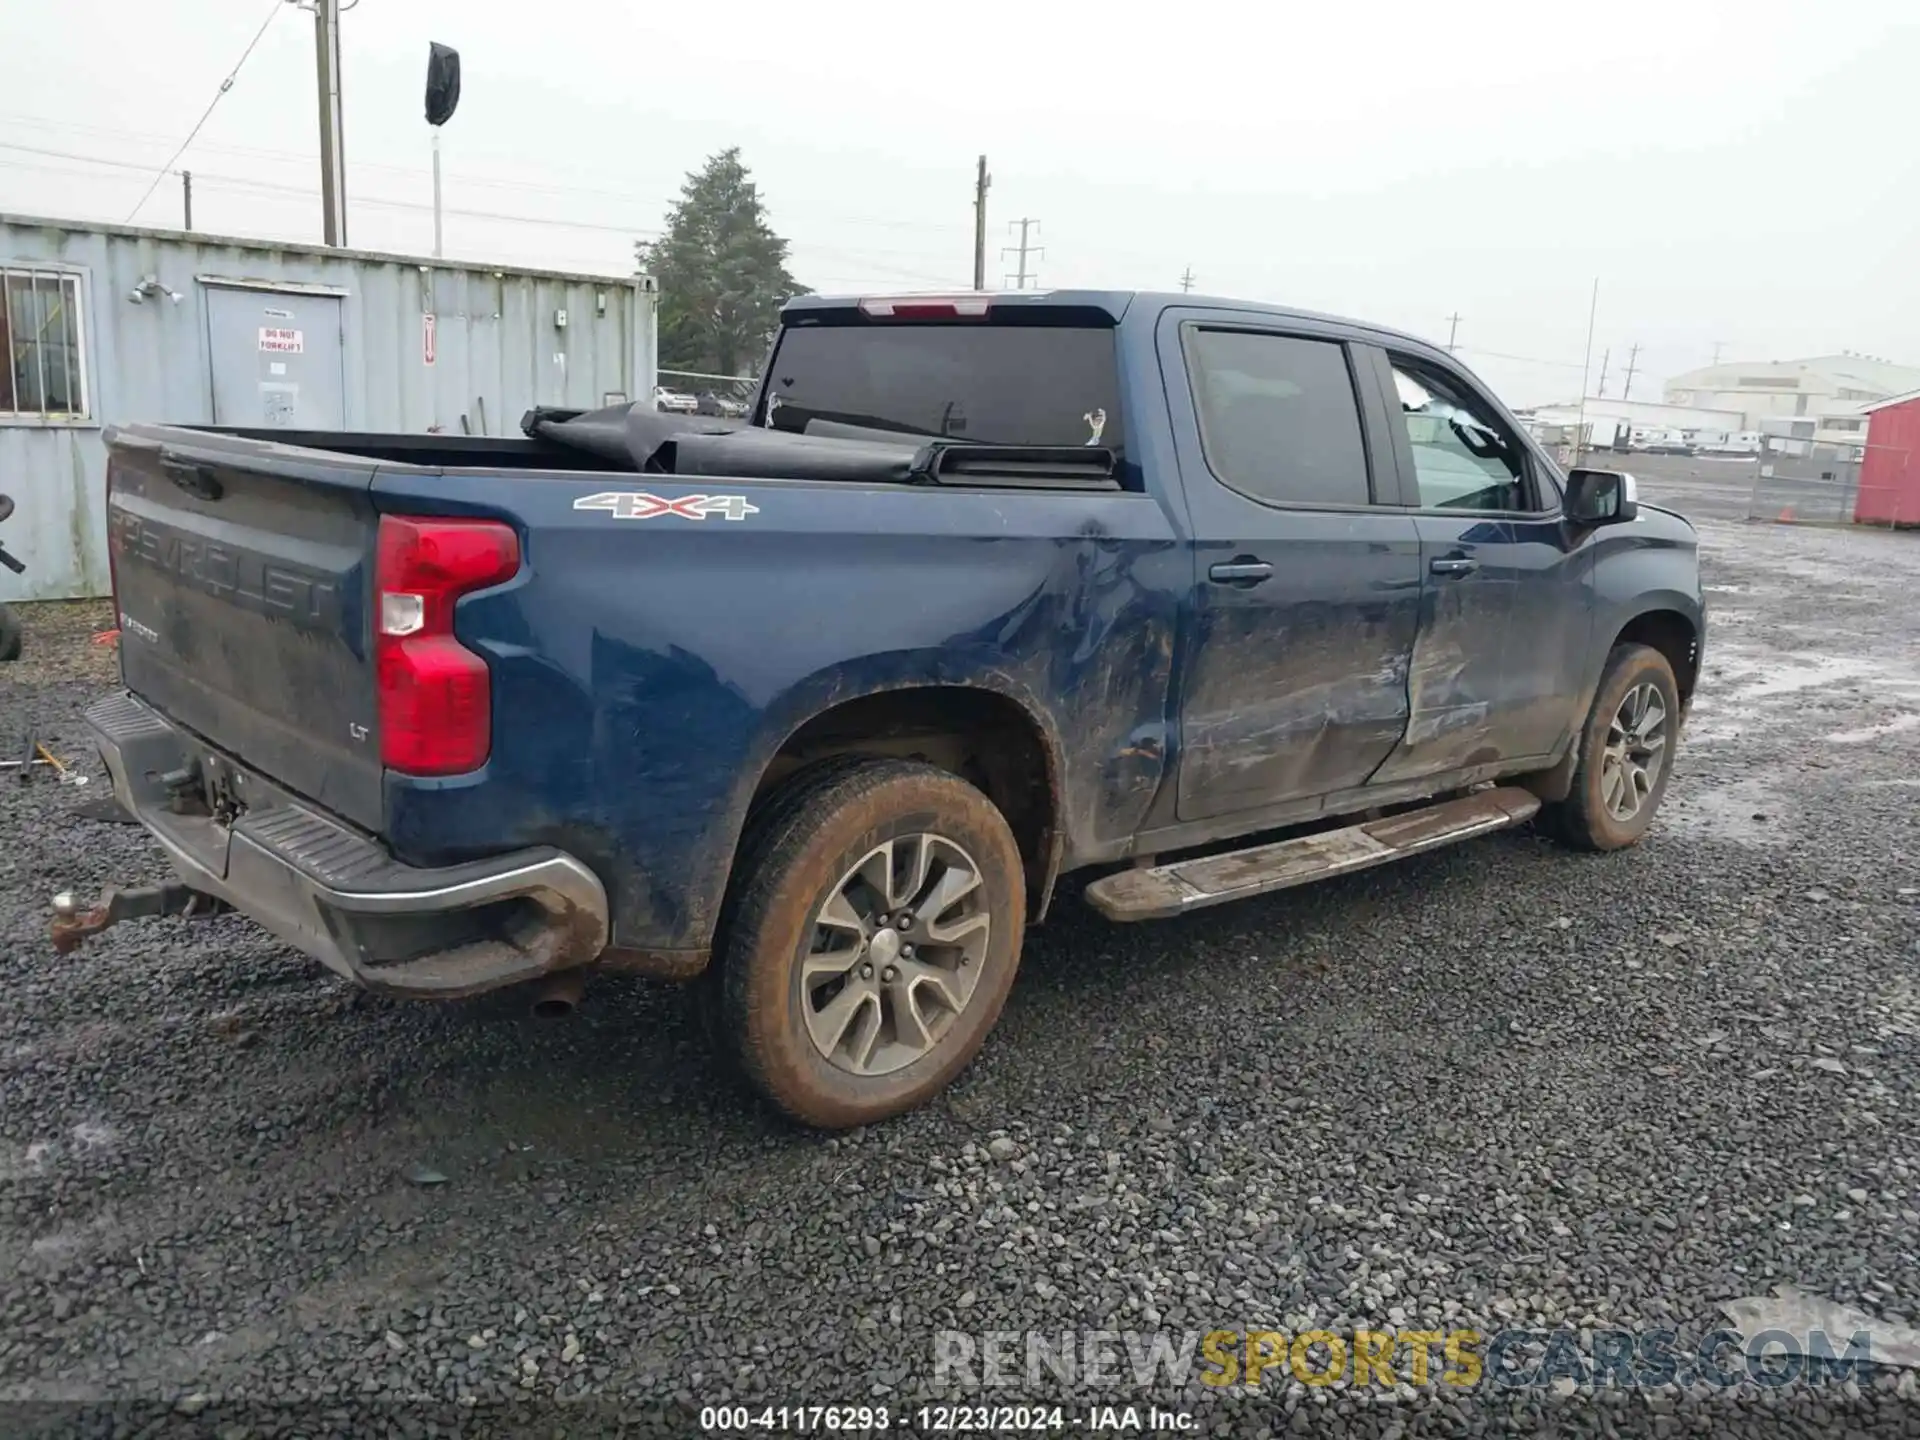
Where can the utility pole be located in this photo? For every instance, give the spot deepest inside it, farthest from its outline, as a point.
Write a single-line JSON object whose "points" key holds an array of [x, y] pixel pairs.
{"points": [[981, 181], [1718, 346], [1605, 356], [1186, 280], [1453, 329], [1633, 360], [186, 197], [1023, 249], [442, 95], [333, 160], [1586, 364]]}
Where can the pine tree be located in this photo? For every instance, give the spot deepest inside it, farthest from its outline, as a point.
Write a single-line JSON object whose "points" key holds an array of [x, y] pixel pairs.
{"points": [[722, 272]]}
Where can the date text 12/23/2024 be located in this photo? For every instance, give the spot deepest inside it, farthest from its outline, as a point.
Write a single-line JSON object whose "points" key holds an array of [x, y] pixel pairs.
{"points": [[942, 1419]]}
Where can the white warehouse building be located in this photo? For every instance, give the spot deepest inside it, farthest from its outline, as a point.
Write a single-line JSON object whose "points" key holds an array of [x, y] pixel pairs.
{"points": [[1833, 391]]}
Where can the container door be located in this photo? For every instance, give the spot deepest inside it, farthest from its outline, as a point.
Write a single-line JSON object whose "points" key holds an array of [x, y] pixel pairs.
{"points": [[276, 361]]}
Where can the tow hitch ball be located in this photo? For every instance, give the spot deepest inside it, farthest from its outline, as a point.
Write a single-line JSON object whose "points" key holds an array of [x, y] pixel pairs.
{"points": [[72, 925]]}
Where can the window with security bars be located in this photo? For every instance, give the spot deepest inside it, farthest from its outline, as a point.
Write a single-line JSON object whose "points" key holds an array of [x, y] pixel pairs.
{"points": [[43, 375]]}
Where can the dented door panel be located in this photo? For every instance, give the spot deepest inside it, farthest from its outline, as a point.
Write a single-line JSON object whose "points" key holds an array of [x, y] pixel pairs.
{"points": [[1298, 687], [1294, 686], [1457, 686], [1551, 632]]}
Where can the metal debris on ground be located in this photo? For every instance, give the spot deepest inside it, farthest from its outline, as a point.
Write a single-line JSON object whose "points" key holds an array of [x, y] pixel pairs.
{"points": [[35, 752], [32, 754]]}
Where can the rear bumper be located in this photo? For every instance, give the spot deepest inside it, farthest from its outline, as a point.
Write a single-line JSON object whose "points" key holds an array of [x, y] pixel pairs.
{"points": [[339, 896]]}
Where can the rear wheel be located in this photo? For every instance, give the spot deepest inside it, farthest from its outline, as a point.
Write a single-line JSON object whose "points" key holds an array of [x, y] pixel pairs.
{"points": [[9, 634], [871, 939], [1625, 755]]}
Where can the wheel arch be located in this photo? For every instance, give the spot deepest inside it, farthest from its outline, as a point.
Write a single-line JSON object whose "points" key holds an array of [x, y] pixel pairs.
{"points": [[1672, 632], [990, 734], [1668, 624]]}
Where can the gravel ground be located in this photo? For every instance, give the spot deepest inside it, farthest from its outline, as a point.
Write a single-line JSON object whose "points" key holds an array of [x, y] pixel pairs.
{"points": [[1497, 1085]]}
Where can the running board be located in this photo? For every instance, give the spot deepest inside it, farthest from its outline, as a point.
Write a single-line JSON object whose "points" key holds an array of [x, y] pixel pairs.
{"points": [[1185, 885]]}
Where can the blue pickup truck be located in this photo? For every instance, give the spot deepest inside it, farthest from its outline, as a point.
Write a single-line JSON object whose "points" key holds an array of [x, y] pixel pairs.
{"points": [[818, 705]]}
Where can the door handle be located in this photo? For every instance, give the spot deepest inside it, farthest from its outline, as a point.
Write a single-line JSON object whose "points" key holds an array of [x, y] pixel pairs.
{"points": [[1240, 572], [194, 479], [1458, 565]]}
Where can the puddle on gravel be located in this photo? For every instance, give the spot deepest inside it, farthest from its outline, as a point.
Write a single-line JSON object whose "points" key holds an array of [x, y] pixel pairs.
{"points": [[1752, 688], [1747, 812], [1899, 724]]}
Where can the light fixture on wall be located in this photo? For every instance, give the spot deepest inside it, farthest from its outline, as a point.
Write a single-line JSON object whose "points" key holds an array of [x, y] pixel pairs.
{"points": [[149, 287]]}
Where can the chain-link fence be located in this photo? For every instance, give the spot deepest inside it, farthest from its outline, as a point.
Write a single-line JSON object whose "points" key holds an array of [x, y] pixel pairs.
{"points": [[1819, 482], [1807, 482], [696, 393]]}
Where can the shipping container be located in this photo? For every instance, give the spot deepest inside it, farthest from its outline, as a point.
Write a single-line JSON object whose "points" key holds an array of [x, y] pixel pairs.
{"points": [[1890, 467], [105, 324]]}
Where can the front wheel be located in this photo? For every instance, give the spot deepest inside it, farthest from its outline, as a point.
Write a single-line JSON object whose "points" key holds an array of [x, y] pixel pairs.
{"points": [[9, 634], [1625, 754], [870, 940]]}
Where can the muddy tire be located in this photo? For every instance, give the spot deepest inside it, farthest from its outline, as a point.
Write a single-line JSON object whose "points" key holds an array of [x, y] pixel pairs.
{"points": [[1625, 755], [869, 940], [9, 634]]}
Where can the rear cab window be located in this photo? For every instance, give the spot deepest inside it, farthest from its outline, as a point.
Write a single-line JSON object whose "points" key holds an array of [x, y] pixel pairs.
{"points": [[982, 380], [1279, 417]]}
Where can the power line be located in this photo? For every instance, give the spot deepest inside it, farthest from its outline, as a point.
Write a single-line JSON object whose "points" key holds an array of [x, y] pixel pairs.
{"points": [[542, 187], [1023, 249], [269, 187], [262, 153], [70, 155], [225, 85], [1523, 359], [243, 182]]}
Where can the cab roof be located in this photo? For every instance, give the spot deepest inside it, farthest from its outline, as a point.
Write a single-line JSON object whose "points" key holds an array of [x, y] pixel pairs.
{"points": [[1112, 305]]}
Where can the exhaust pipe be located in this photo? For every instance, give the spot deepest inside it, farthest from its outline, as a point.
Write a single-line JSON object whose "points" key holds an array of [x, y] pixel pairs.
{"points": [[559, 995]]}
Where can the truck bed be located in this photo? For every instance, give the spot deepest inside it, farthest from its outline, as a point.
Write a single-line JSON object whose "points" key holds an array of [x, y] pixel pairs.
{"points": [[246, 569]]}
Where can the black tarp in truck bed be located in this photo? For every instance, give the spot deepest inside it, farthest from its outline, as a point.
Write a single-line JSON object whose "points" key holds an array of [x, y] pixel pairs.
{"points": [[656, 443]]}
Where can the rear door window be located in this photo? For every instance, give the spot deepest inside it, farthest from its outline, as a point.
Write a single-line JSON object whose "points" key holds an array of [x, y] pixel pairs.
{"points": [[995, 384], [1279, 419]]}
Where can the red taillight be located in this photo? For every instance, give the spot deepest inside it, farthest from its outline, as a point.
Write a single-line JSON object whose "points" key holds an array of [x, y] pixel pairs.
{"points": [[436, 696], [926, 307]]}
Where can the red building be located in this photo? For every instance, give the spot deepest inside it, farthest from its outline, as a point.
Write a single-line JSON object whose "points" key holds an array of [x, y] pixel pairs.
{"points": [[1890, 471]]}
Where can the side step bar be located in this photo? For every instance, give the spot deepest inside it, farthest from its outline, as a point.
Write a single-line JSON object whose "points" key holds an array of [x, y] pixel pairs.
{"points": [[1184, 885]]}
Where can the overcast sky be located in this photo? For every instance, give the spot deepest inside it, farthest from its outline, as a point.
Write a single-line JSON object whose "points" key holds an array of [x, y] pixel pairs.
{"points": [[1740, 173]]}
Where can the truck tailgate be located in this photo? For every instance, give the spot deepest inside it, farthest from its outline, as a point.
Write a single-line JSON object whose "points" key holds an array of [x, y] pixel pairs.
{"points": [[242, 571]]}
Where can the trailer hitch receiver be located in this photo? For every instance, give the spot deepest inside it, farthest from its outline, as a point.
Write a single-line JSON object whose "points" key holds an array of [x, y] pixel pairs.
{"points": [[72, 925]]}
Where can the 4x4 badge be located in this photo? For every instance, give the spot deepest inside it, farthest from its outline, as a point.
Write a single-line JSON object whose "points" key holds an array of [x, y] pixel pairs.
{"points": [[639, 505]]}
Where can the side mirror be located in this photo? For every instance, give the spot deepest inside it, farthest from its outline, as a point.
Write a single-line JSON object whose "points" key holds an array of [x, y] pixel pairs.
{"points": [[1601, 497]]}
